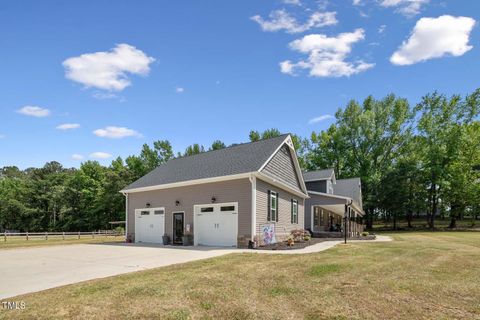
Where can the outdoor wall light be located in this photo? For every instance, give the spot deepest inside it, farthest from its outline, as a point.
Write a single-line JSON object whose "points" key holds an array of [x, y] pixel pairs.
{"points": [[147, 204], [214, 199], [177, 203]]}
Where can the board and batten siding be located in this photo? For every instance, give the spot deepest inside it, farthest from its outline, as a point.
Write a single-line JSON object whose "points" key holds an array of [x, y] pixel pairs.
{"points": [[239, 190], [284, 225], [281, 167]]}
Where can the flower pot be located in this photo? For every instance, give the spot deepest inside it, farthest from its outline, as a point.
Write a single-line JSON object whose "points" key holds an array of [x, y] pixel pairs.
{"points": [[165, 240]]}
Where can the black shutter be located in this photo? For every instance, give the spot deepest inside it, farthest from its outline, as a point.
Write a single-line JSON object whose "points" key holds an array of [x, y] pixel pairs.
{"points": [[268, 206], [291, 211], [278, 206]]}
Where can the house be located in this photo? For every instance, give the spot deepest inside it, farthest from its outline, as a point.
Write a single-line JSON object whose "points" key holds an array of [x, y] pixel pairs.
{"points": [[330, 200], [247, 192]]}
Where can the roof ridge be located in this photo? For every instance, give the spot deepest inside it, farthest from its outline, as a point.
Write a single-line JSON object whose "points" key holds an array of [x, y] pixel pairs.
{"points": [[230, 147]]}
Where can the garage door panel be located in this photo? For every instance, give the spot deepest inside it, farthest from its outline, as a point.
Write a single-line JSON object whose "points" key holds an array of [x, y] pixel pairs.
{"points": [[214, 227], [149, 225]]}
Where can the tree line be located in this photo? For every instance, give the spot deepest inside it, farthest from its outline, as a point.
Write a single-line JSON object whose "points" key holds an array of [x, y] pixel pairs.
{"points": [[411, 159]]}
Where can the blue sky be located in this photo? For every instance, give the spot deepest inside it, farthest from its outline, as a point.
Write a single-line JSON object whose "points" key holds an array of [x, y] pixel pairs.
{"points": [[117, 76]]}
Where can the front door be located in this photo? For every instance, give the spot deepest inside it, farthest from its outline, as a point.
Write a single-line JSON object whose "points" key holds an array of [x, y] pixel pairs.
{"points": [[317, 219], [177, 227]]}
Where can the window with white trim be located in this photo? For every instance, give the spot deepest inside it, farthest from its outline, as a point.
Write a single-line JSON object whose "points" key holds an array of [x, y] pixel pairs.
{"points": [[272, 206], [294, 213]]}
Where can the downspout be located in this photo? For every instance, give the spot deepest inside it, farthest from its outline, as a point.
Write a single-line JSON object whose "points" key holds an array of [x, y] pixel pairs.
{"points": [[126, 215], [253, 181]]}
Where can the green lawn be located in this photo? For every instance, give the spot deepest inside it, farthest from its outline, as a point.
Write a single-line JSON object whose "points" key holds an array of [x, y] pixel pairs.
{"points": [[417, 276], [20, 242]]}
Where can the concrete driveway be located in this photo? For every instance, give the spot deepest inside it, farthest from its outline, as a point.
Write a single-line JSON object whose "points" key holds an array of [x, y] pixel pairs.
{"points": [[26, 270], [35, 269]]}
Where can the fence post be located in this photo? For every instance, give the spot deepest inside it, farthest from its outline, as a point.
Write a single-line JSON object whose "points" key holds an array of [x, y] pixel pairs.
{"points": [[5, 236], [63, 235], [27, 235], [78, 235], [46, 235]]}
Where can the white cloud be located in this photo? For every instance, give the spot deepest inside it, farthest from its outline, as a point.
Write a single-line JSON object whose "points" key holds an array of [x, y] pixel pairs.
{"points": [[320, 118], [34, 111], [382, 29], [77, 157], [68, 126], [282, 20], [435, 38], [405, 7], [100, 155], [292, 2], [108, 70], [179, 90], [357, 2], [116, 132], [326, 55]]}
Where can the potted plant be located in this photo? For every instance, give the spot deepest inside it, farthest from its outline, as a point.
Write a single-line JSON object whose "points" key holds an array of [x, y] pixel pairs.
{"points": [[290, 241], [165, 239]]}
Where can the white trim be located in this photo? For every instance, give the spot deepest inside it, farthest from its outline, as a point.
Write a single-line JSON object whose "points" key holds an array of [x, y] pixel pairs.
{"points": [[280, 184], [126, 216], [289, 143], [253, 180], [189, 183]]}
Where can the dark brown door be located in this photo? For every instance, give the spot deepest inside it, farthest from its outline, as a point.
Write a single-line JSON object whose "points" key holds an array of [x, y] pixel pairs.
{"points": [[177, 227]]}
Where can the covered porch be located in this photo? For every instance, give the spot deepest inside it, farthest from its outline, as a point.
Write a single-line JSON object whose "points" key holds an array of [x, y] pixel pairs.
{"points": [[328, 214]]}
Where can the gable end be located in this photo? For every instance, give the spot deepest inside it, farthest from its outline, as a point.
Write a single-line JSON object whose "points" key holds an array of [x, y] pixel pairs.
{"points": [[282, 167]]}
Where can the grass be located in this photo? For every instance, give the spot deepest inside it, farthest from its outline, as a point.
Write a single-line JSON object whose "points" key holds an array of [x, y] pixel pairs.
{"points": [[418, 276], [20, 242]]}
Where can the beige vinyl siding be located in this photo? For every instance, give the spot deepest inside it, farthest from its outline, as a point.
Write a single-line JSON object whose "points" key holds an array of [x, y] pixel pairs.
{"points": [[227, 191], [281, 167], [284, 225]]}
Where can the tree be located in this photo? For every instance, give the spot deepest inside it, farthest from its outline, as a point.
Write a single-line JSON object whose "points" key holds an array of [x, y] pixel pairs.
{"points": [[194, 149], [217, 145], [440, 126], [367, 137]]}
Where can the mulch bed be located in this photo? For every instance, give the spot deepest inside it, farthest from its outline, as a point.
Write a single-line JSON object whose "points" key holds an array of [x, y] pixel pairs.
{"points": [[282, 245], [297, 245]]}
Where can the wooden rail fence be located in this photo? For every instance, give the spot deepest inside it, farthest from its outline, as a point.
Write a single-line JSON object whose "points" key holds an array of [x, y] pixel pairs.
{"points": [[58, 235]]}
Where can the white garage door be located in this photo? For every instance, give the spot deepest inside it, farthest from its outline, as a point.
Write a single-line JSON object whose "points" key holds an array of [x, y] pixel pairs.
{"points": [[149, 225], [216, 224]]}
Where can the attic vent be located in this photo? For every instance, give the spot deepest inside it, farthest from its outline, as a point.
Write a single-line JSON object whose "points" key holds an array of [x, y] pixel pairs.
{"points": [[290, 143]]}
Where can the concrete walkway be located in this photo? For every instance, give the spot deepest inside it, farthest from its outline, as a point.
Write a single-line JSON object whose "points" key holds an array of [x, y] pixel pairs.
{"points": [[27, 270]]}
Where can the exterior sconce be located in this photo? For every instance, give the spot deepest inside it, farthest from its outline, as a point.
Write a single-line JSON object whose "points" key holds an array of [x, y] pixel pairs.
{"points": [[177, 203], [147, 204], [214, 199]]}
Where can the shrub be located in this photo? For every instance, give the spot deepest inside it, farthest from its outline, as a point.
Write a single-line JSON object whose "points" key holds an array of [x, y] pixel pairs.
{"points": [[365, 233], [300, 234]]}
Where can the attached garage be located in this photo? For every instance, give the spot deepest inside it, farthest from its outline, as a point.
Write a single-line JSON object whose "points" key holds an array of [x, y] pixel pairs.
{"points": [[216, 224], [149, 225]]}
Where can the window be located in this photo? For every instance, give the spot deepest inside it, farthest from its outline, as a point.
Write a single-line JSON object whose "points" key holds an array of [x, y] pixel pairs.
{"points": [[144, 213], [227, 208], [294, 213], [207, 209], [158, 212], [321, 218], [272, 206]]}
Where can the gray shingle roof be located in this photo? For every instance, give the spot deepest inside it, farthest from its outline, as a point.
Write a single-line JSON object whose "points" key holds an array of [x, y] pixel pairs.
{"points": [[349, 188], [317, 175], [237, 159]]}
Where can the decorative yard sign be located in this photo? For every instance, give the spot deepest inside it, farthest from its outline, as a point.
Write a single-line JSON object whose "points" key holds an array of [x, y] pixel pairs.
{"points": [[268, 234]]}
